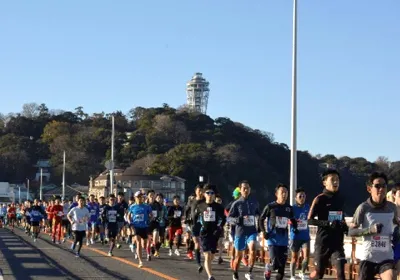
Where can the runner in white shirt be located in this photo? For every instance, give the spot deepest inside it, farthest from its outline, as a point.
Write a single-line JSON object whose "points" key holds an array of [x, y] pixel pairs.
{"points": [[79, 217]]}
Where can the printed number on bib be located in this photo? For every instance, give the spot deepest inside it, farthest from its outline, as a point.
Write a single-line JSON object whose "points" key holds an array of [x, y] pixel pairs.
{"points": [[209, 215], [112, 216], [302, 224], [139, 217], [154, 212], [380, 243], [281, 222], [177, 214], [335, 216], [60, 214], [249, 221]]}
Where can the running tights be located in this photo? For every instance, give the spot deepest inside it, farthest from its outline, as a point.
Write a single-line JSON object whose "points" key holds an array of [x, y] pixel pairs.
{"points": [[79, 235]]}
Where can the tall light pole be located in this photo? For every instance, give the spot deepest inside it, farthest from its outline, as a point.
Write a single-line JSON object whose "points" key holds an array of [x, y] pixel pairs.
{"points": [[19, 194], [112, 155], [27, 191], [63, 178], [293, 150], [41, 184]]}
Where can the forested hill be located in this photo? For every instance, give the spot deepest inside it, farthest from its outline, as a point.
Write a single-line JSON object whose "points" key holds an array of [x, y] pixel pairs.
{"points": [[168, 141]]}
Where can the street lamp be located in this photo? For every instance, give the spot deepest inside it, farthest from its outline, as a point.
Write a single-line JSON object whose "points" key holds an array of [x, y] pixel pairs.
{"points": [[27, 189], [293, 150], [41, 184]]}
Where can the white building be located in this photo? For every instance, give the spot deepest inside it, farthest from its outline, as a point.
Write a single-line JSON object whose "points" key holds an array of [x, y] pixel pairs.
{"points": [[6, 192], [197, 91]]}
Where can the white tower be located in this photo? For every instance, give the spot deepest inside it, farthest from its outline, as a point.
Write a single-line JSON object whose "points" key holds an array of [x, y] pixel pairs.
{"points": [[197, 90]]}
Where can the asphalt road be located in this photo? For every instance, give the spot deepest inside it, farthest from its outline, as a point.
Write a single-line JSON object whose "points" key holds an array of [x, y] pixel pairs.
{"points": [[21, 259]]}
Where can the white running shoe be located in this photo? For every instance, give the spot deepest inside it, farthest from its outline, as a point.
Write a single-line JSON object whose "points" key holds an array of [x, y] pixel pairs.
{"points": [[170, 252], [177, 252], [249, 276]]}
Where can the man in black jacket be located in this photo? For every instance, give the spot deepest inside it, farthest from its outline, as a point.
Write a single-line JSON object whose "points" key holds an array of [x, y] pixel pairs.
{"points": [[328, 208]]}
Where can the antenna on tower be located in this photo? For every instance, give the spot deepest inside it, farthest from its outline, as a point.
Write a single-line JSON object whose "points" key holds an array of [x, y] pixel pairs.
{"points": [[197, 91]]}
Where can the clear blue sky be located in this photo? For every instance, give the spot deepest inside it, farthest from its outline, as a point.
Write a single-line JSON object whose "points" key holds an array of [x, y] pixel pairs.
{"points": [[115, 55]]}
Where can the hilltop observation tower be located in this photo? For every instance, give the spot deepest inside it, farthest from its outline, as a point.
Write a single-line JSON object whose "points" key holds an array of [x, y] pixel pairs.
{"points": [[197, 91]]}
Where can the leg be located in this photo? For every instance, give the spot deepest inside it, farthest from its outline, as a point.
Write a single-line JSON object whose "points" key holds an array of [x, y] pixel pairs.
{"points": [[294, 248]]}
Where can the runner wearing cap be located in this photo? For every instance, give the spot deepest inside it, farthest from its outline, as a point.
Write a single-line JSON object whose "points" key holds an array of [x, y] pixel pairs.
{"points": [[139, 217]]}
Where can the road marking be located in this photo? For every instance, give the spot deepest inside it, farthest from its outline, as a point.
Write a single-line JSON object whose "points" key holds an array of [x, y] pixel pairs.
{"points": [[149, 270]]}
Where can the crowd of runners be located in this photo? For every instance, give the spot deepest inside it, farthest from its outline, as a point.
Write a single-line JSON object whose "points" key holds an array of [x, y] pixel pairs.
{"points": [[148, 222]]}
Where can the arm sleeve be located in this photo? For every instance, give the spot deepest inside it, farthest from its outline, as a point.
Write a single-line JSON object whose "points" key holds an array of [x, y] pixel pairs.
{"points": [[314, 210], [222, 216], [264, 215], [233, 214], [358, 219]]}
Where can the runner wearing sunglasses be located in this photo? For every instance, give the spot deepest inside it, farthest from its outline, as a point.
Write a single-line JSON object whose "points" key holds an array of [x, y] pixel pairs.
{"points": [[211, 217]]}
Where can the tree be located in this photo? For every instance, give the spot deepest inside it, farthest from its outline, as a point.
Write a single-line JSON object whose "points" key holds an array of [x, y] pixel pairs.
{"points": [[30, 110], [383, 164]]}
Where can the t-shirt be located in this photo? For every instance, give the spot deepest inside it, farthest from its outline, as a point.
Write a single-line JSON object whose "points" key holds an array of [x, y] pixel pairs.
{"points": [[111, 215], [93, 208], [57, 212], [301, 214], [79, 217], [378, 247], [140, 215], [175, 216]]}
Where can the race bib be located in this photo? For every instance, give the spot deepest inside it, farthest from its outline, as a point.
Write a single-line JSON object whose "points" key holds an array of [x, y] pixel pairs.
{"points": [[209, 216], [335, 216], [302, 224], [139, 217], [93, 212], [112, 216], [248, 221], [154, 212], [281, 222], [177, 213], [380, 243], [60, 214]]}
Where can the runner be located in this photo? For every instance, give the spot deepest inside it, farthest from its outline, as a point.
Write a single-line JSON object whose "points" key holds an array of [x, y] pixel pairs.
{"points": [[218, 200], [152, 241], [37, 215], [123, 208], [109, 215], [162, 220], [57, 211], [276, 216], [328, 208], [195, 225], [93, 208], [243, 215], [65, 223], [396, 242], [235, 195], [12, 216], [373, 220], [139, 216], [102, 221], [79, 217], [212, 219], [49, 216], [301, 240], [175, 225]]}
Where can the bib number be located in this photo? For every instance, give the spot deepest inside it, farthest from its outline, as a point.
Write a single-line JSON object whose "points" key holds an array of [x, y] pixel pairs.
{"points": [[249, 221], [335, 216], [139, 218], [154, 212], [112, 216], [209, 216], [177, 214], [380, 243], [302, 224], [281, 222], [60, 214]]}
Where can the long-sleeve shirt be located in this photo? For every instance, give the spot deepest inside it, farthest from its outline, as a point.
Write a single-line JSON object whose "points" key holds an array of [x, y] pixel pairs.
{"points": [[243, 215]]}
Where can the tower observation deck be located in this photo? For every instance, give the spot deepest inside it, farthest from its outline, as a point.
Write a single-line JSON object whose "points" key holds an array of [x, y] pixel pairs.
{"points": [[197, 91]]}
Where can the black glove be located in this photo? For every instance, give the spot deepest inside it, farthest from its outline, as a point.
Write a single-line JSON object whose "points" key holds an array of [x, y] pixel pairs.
{"points": [[217, 232], [379, 228], [336, 225], [240, 221], [267, 235], [344, 227]]}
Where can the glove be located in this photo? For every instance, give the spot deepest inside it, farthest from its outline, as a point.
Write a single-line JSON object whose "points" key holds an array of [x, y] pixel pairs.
{"points": [[376, 228], [336, 224], [267, 235], [240, 221], [217, 232], [344, 227]]}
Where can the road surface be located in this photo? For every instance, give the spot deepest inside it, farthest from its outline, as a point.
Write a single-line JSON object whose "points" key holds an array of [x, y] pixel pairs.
{"points": [[21, 259]]}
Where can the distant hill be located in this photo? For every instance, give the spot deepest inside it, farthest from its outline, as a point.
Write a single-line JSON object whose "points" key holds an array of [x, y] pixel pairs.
{"points": [[169, 141]]}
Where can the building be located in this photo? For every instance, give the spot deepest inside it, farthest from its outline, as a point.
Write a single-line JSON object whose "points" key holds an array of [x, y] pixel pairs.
{"points": [[43, 168], [197, 92], [134, 179], [20, 192], [70, 191], [6, 192]]}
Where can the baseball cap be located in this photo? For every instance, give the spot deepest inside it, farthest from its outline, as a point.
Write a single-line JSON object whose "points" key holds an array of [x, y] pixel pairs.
{"points": [[138, 193]]}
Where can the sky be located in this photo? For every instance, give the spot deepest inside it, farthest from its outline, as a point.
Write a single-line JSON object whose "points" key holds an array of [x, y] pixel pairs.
{"points": [[116, 55]]}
